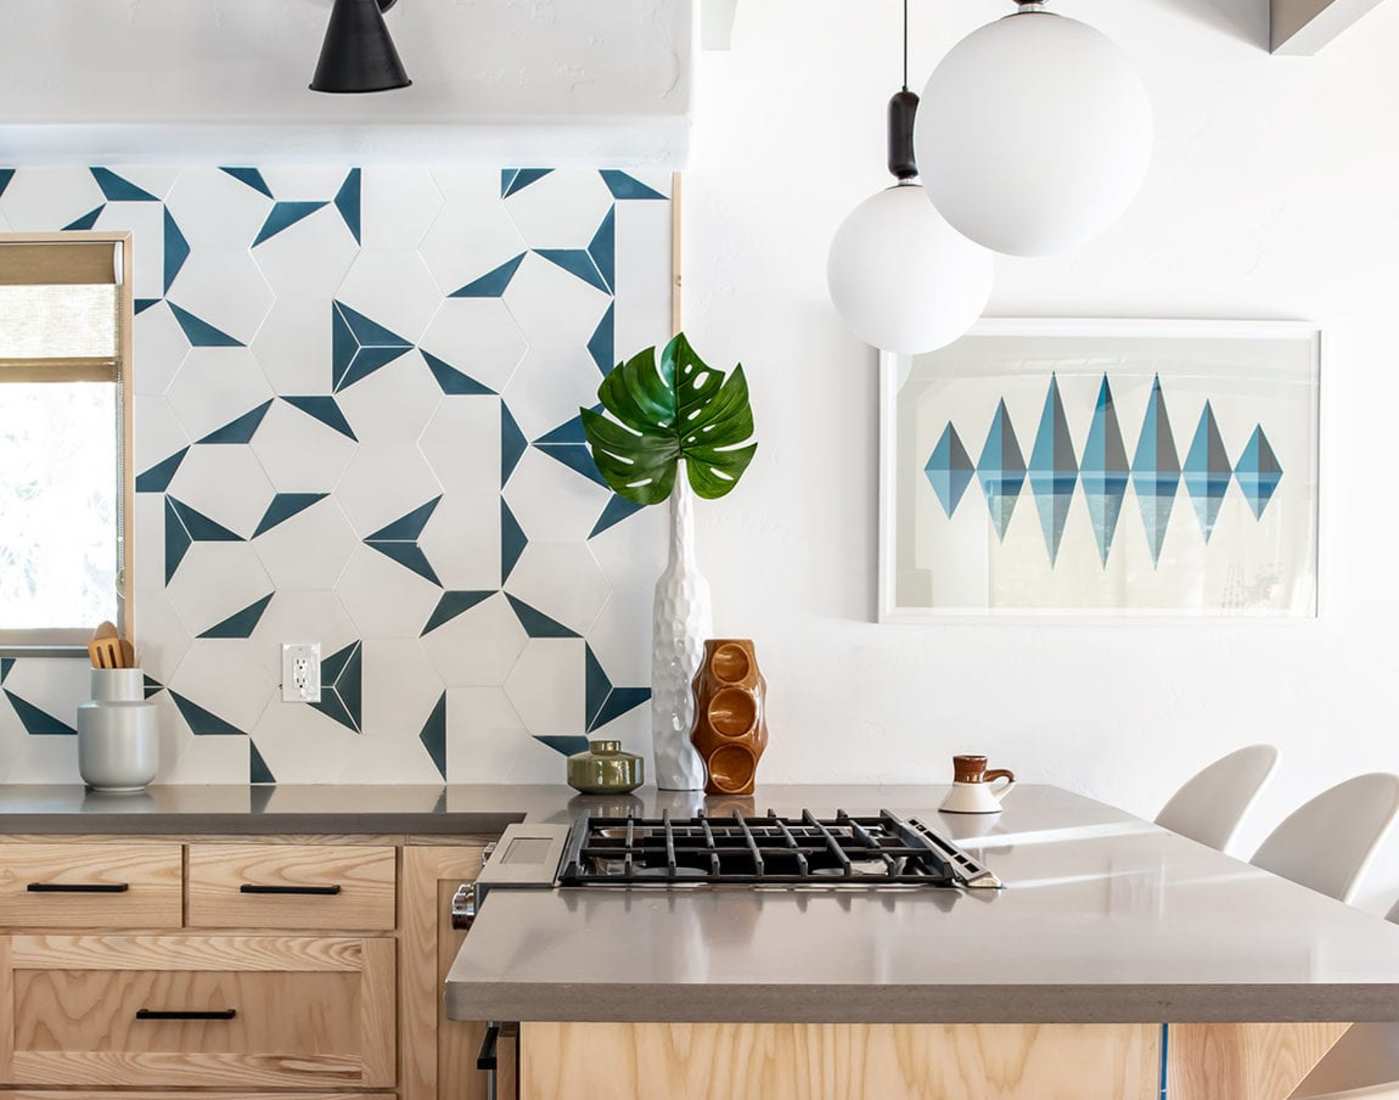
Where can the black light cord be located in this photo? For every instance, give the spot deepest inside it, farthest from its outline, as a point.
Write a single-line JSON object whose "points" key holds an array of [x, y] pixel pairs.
{"points": [[905, 45]]}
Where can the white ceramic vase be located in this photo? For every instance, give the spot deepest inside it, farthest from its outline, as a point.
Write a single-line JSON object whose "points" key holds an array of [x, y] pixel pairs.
{"points": [[682, 621], [118, 738]]}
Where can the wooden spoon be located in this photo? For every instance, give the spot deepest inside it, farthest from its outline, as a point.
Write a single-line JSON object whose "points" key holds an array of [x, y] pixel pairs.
{"points": [[105, 649]]}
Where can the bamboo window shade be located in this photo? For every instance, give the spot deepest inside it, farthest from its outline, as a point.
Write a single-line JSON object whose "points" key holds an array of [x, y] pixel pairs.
{"points": [[60, 311]]}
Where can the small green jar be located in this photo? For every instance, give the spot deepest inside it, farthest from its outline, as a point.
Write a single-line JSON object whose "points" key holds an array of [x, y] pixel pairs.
{"points": [[605, 769]]}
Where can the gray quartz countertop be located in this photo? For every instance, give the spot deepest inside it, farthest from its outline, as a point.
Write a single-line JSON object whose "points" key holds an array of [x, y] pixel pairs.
{"points": [[1104, 917]]}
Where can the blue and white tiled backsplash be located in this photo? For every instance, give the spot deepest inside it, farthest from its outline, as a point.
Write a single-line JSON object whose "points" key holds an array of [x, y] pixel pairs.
{"points": [[356, 424]]}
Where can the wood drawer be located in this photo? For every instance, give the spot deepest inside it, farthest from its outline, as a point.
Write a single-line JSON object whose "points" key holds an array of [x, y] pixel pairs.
{"points": [[291, 886], [307, 1012], [227, 1094], [89, 885]]}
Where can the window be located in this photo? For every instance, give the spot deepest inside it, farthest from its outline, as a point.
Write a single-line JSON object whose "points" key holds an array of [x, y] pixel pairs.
{"points": [[65, 434]]}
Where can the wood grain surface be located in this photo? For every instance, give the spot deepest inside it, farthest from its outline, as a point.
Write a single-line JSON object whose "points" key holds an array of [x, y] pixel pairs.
{"points": [[150, 871], [1244, 1061]]}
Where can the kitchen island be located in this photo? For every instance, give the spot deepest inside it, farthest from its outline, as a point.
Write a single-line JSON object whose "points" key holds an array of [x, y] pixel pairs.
{"points": [[1058, 985]]}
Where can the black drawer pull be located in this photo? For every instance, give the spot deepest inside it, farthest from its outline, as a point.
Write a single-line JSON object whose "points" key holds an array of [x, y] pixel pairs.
{"points": [[78, 887], [161, 1014], [319, 891]]}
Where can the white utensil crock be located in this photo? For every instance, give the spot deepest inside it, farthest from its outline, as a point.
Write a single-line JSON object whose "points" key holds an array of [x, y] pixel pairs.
{"points": [[118, 741]]}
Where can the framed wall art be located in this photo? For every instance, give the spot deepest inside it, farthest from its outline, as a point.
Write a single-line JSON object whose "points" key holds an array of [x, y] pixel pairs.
{"points": [[1108, 469]]}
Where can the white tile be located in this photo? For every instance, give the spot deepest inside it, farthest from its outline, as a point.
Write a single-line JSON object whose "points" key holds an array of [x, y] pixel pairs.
{"points": [[631, 555], [299, 453], [160, 347], [488, 742], [479, 646], [304, 182], [384, 483], [156, 431], [553, 307], [215, 386], [35, 759], [562, 580], [479, 337], [400, 689], [225, 482], [146, 223], [392, 287], [309, 550], [392, 753], [462, 445], [462, 540], [227, 681], [185, 758], [546, 686], [293, 344], [384, 599], [216, 580], [225, 289], [49, 198], [214, 210], [294, 616], [162, 639], [302, 745], [473, 235], [54, 686], [154, 179], [149, 549], [643, 281], [393, 404], [549, 388], [561, 210], [552, 501], [309, 257], [398, 204]]}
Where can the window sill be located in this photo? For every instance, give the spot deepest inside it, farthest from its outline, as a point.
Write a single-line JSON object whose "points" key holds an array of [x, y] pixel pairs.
{"points": [[58, 650]]}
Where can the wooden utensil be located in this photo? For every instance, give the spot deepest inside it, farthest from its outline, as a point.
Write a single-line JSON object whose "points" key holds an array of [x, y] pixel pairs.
{"points": [[107, 650]]}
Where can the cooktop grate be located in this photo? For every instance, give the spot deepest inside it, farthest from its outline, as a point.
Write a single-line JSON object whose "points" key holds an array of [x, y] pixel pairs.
{"points": [[882, 850]]}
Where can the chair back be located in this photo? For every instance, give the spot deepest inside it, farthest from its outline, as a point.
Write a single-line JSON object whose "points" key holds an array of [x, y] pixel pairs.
{"points": [[1210, 806]]}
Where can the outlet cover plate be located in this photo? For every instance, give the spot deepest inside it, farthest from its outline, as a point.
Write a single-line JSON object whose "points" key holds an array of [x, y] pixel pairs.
{"points": [[301, 672]]}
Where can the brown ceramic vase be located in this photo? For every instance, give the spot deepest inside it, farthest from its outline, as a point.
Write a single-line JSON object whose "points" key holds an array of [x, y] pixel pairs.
{"points": [[730, 730]]}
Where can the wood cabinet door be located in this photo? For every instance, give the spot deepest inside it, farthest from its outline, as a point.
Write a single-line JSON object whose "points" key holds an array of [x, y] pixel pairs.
{"points": [[439, 1055], [89, 884], [197, 1011]]}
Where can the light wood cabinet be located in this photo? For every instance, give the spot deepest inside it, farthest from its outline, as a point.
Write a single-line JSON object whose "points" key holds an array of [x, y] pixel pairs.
{"points": [[154, 967]]}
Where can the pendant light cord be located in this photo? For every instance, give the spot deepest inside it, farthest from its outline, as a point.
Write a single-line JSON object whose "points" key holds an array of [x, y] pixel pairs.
{"points": [[905, 45]]}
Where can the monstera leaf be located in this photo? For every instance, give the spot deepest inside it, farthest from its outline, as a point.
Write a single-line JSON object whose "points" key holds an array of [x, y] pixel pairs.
{"points": [[682, 408]]}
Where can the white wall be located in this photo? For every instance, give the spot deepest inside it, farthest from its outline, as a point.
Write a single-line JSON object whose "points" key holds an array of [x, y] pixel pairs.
{"points": [[1274, 194]]}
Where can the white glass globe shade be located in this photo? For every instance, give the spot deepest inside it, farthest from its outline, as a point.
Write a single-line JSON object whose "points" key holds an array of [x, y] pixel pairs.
{"points": [[902, 278], [1034, 134]]}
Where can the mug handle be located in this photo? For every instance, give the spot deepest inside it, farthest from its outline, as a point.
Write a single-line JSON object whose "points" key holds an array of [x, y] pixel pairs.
{"points": [[1000, 773]]}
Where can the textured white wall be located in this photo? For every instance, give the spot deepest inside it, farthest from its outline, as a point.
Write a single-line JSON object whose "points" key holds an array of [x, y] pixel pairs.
{"points": [[1273, 195]]}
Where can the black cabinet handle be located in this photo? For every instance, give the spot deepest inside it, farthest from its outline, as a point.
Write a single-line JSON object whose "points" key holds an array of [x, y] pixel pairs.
{"points": [[78, 887], [161, 1014], [320, 891]]}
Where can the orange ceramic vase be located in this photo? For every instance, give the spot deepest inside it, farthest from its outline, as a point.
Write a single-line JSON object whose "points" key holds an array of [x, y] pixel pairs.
{"points": [[730, 730]]}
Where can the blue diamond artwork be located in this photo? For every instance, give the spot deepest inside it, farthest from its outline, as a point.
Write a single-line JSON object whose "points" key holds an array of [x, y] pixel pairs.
{"points": [[1104, 471], [1156, 471], [1053, 469], [1258, 472], [949, 470], [1207, 471], [1001, 470]]}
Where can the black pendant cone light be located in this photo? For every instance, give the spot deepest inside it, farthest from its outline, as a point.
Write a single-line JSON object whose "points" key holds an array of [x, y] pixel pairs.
{"points": [[358, 55]]}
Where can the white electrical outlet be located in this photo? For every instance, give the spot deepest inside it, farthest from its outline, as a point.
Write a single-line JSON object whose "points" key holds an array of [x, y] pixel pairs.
{"points": [[301, 672]]}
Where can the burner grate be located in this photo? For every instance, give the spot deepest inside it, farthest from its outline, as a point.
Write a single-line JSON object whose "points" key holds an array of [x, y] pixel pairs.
{"points": [[766, 850]]}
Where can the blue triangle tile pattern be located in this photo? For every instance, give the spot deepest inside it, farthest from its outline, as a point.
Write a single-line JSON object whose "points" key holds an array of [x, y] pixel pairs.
{"points": [[86, 221], [602, 249], [564, 744], [157, 479], [201, 334], [140, 305], [323, 408], [284, 215], [512, 444], [624, 186], [1258, 472], [602, 344], [240, 429], [950, 469], [360, 346], [603, 702], [512, 541], [1207, 471], [118, 189], [6, 663], [258, 771], [576, 261], [201, 722], [537, 624], [240, 624], [1156, 470], [176, 250], [399, 541], [183, 527], [152, 686], [342, 687], [452, 381], [1053, 469], [347, 201], [283, 506], [452, 604], [38, 722], [1001, 470], [250, 176], [1104, 471], [616, 509], [517, 179], [434, 735], [568, 444], [6, 174], [493, 283]]}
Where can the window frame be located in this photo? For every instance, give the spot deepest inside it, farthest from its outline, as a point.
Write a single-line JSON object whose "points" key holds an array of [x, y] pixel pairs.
{"points": [[72, 641]]}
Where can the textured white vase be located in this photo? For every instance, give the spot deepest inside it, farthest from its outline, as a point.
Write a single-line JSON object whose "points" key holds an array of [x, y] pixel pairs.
{"points": [[682, 621]]}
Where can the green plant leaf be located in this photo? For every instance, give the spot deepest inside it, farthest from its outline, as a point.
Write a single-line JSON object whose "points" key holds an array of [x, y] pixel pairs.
{"points": [[662, 412]]}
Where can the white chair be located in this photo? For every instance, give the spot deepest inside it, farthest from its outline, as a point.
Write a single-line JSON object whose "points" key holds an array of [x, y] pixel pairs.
{"points": [[1327, 844], [1210, 806]]}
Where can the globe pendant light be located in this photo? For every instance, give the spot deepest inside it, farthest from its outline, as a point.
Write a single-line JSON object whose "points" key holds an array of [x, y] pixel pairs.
{"points": [[1035, 133], [900, 276], [358, 55]]}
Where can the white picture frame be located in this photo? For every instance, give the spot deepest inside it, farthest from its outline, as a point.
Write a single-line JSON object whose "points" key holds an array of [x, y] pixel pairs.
{"points": [[894, 368]]}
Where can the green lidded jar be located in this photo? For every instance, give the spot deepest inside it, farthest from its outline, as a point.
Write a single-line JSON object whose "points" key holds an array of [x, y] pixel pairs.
{"points": [[605, 769]]}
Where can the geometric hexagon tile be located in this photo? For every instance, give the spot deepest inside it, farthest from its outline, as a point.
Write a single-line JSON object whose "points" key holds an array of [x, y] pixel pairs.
{"points": [[357, 424]]}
